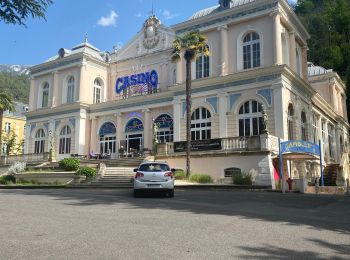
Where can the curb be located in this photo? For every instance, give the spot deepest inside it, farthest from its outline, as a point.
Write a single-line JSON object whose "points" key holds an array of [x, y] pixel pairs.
{"points": [[183, 187]]}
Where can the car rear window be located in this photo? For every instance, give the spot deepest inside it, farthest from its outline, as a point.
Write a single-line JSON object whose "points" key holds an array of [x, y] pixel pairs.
{"points": [[154, 167]]}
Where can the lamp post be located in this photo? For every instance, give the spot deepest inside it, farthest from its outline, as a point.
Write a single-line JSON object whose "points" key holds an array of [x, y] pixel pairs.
{"points": [[155, 127], [51, 146]]}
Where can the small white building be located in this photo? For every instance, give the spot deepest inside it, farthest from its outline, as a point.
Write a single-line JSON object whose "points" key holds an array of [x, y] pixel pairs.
{"points": [[93, 101]]}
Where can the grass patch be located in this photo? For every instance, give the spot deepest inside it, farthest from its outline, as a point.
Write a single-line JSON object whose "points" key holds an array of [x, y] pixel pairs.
{"points": [[180, 175], [242, 179], [200, 178], [7, 179]]}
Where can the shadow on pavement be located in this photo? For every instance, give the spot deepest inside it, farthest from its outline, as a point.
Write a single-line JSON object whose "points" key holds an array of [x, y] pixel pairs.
{"points": [[271, 252], [317, 212]]}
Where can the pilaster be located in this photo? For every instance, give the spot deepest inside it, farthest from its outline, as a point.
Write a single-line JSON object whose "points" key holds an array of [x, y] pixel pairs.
{"points": [[223, 103], [177, 119], [277, 40], [148, 129], [224, 50], [292, 51]]}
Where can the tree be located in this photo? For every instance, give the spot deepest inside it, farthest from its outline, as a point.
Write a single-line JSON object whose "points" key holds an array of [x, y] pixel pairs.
{"points": [[11, 143], [328, 23], [16, 12], [189, 46], [6, 103]]}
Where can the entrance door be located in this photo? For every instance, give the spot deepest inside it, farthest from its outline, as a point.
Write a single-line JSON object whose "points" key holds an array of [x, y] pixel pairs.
{"points": [[134, 143], [108, 145]]}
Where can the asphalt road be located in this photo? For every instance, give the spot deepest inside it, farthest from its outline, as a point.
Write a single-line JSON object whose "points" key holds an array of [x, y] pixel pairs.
{"points": [[196, 224]]}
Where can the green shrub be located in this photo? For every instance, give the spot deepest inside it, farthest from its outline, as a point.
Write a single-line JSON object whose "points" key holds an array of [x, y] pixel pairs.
{"points": [[86, 171], [242, 179], [69, 164], [7, 179], [201, 178], [180, 175]]}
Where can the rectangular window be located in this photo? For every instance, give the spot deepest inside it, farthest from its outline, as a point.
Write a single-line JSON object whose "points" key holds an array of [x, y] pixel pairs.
{"points": [[247, 57], [45, 101], [199, 67], [256, 55]]}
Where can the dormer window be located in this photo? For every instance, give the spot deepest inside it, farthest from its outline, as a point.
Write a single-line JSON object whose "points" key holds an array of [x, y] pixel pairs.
{"points": [[224, 4]]}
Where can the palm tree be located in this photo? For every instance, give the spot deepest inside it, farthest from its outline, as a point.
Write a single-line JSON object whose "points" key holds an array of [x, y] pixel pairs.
{"points": [[189, 45], [6, 103]]}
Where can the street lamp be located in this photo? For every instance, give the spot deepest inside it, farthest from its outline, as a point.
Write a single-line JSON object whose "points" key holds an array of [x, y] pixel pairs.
{"points": [[51, 146]]}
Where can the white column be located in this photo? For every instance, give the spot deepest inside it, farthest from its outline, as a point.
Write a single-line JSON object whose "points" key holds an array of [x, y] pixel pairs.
{"points": [[292, 51], [148, 131], [120, 130], [93, 136], [179, 70], [280, 111], [304, 62], [177, 119], [32, 95], [55, 91], [224, 50], [80, 135], [27, 138], [222, 115], [277, 40], [81, 95]]}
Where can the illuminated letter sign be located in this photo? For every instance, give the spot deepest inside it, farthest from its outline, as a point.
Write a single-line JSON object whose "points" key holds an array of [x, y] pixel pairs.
{"points": [[148, 78]]}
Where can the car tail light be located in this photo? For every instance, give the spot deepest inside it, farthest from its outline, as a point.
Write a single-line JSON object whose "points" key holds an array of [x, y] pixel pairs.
{"points": [[169, 174], [138, 175]]}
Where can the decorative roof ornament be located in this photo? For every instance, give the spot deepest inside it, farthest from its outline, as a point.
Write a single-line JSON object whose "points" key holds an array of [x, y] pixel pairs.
{"points": [[151, 32], [225, 4]]}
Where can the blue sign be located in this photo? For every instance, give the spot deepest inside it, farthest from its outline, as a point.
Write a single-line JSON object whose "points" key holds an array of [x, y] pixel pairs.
{"points": [[300, 147], [148, 78]]}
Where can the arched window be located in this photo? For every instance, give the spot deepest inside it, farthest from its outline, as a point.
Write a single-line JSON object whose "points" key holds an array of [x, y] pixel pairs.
{"points": [[290, 121], [201, 124], [45, 95], [251, 50], [203, 64], [65, 140], [250, 118], [97, 91], [39, 141], [71, 90], [165, 132], [108, 138], [303, 127], [134, 135]]}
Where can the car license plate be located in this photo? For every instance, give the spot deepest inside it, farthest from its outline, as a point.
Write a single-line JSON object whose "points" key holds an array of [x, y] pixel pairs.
{"points": [[153, 185]]}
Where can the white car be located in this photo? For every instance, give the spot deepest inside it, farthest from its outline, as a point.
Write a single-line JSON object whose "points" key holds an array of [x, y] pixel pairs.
{"points": [[152, 176]]}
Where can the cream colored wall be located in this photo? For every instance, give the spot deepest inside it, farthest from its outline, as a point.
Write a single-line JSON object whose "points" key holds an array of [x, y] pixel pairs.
{"points": [[236, 32], [158, 61], [215, 166], [91, 72]]}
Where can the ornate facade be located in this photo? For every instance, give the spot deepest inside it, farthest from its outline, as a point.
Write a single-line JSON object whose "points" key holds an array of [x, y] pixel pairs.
{"points": [[84, 100]]}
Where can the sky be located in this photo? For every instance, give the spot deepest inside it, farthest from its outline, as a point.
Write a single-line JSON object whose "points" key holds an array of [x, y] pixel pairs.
{"points": [[107, 23]]}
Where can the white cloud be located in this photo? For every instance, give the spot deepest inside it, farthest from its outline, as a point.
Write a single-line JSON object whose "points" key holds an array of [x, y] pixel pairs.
{"points": [[138, 15], [168, 15], [110, 20]]}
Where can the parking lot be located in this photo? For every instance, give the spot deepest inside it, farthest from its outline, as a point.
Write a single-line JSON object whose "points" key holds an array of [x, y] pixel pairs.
{"points": [[196, 224]]}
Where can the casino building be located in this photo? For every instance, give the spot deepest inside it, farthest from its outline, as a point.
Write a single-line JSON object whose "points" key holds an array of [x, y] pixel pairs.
{"points": [[84, 100]]}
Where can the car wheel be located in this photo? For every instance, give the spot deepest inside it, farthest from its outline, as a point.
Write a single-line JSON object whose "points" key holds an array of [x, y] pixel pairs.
{"points": [[171, 193]]}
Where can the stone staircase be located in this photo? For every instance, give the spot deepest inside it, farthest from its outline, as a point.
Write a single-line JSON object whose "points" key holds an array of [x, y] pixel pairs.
{"points": [[330, 175], [116, 177]]}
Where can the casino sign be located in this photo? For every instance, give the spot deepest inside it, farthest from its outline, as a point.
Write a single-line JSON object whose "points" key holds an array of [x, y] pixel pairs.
{"points": [[143, 80]]}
